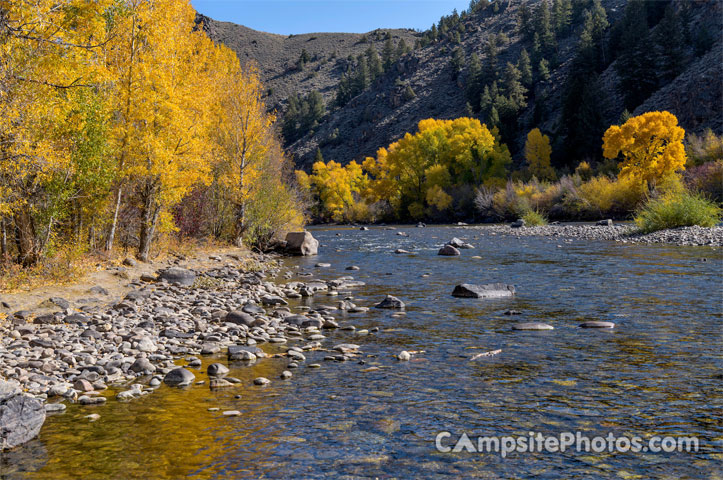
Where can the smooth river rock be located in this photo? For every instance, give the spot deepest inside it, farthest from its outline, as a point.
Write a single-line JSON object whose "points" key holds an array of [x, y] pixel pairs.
{"points": [[597, 324], [217, 370], [179, 377], [532, 326], [490, 290], [448, 251]]}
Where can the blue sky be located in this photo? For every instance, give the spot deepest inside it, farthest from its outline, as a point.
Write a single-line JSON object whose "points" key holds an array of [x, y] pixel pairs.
{"points": [[311, 16]]}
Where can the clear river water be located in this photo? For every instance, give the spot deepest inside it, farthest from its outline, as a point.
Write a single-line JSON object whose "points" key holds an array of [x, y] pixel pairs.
{"points": [[658, 372]]}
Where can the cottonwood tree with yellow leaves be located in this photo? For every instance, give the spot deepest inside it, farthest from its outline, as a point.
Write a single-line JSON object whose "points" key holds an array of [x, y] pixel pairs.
{"points": [[413, 173], [48, 51], [651, 145], [537, 154], [105, 107]]}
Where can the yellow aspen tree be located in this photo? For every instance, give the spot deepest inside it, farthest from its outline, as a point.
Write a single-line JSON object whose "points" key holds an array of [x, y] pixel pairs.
{"points": [[537, 154], [47, 49], [161, 72], [651, 145], [243, 132]]}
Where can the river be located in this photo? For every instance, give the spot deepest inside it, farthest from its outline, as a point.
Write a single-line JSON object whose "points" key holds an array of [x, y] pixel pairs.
{"points": [[658, 372]]}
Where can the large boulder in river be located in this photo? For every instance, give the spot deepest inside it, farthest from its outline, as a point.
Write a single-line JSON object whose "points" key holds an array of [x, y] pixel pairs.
{"points": [[490, 290], [21, 416], [390, 302], [301, 243], [448, 251], [178, 276]]}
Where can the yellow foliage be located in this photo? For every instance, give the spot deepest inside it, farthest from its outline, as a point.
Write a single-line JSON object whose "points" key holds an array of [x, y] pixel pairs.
{"points": [[438, 198], [537, 154], [339, 189], [584, 171], [602, 194], [651, 145], [440, 154]]}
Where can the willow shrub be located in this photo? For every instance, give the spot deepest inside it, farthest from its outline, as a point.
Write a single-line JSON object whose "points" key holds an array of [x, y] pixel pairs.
{"points": [[675, 210], [533, 218]]}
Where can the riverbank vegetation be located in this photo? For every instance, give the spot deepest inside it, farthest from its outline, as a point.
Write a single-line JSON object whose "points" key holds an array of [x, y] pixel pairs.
{"points": [[112, 136], [460, 170]]}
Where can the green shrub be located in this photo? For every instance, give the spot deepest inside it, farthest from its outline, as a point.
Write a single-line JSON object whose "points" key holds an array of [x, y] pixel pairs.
{"points": [[533, 218], [677, 210]]}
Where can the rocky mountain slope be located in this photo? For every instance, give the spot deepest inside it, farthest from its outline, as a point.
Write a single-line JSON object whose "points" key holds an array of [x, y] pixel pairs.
{"points": [[277, 56], [386, 110]]}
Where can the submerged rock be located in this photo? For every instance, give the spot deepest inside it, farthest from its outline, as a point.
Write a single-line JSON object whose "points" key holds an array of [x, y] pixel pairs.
{"points": [[21, 416], [597, 324], [532, 326], [490, 290]]}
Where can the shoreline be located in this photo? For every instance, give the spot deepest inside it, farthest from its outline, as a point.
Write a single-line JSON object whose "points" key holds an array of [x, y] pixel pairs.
{"points": [[623, 233], [682, 237], [130, 342]]}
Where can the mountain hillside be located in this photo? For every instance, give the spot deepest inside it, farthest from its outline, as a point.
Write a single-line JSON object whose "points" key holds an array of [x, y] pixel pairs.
{"points": [[599, 62], [277, 56]]}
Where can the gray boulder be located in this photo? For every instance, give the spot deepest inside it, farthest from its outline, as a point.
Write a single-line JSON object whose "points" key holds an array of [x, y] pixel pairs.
{"points": [[244, 353], [21, 416], [490, 290], [448, 251], [518, 224], [390, 302], [605, 223], [178, 276], [301, 243], [179, 377], [456, 242], [239, 318], [217, 370]]}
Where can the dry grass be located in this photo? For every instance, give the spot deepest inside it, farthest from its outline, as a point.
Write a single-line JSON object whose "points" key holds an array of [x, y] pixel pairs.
{"points": [[68, 266]]}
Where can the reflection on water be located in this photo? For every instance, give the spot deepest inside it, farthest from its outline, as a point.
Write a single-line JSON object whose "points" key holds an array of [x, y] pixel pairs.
{"points": [[657, 372]]}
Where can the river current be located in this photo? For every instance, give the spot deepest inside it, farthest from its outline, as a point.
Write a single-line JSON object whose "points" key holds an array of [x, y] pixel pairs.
{"points": [[657, 373]]}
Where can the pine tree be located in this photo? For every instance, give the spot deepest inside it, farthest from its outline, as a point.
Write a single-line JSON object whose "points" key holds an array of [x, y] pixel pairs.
{"points": [[486, 100], [544, 70], [561, 15], [491, 53], [544, 27], [388, 53], [525, 68], [670, 46], [456, 62], [493, 118], [318, 157], [514, 89], [361, 77], [524, 22], [402, 49], [474, 82], [636, 64], [374, 62]]}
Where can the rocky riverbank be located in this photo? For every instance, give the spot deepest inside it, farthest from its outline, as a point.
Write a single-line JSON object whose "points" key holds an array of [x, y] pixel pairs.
{"points": [[157, 331], [685, 236]]}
